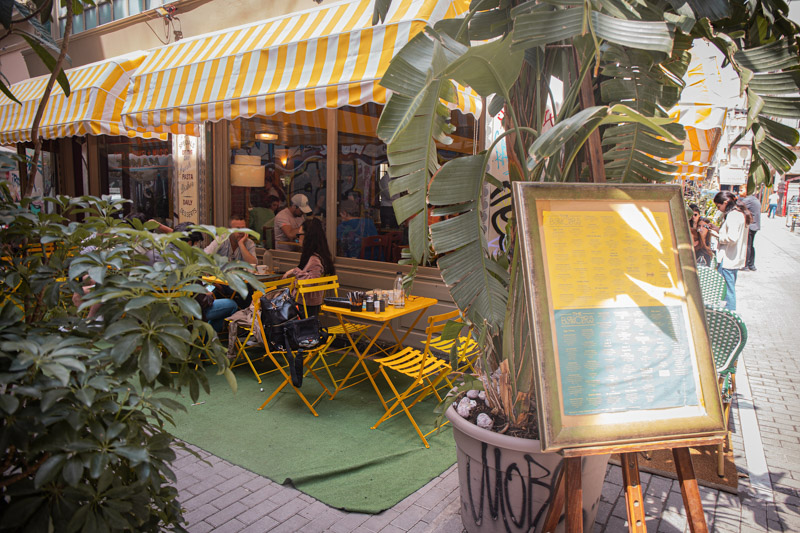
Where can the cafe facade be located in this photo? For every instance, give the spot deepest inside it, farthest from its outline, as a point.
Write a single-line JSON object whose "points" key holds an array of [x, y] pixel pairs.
{"points": [[229, 118]]}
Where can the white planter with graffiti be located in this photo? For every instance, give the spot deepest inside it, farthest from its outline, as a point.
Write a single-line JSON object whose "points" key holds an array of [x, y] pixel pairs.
{"points": [[506, 482]]}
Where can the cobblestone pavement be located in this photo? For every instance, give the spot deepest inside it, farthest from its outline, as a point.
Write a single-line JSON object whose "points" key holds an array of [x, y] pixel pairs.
{"points": [[222, 497]]}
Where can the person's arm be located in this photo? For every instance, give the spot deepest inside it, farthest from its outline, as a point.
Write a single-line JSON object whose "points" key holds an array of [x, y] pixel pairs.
{"points": [[248, 250], [313, 269], [214, 246], [161, 227], [290, 231]]}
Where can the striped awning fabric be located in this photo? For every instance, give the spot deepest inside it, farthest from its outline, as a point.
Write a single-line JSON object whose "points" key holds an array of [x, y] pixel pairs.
{"points": [[704, 125], [97, 93], [327, 57]]}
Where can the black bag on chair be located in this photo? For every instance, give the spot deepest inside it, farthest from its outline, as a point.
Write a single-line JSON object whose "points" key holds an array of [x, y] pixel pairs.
{"points": [[286, 332], [277, 307]]}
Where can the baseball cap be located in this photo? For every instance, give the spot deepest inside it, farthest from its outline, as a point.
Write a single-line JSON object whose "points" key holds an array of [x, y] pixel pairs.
{"points": [[301, 201]]}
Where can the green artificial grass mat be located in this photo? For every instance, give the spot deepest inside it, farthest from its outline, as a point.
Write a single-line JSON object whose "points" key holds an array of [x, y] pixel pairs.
{"points": [[335, 457]]}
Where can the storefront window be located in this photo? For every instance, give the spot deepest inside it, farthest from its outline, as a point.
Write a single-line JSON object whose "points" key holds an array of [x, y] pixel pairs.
{"points": [[45, 182], [366, 224], [273, 159], [139, 170]]}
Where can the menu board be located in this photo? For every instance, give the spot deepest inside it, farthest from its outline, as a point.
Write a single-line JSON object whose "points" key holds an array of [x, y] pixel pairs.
{"points": [[622, 353]]}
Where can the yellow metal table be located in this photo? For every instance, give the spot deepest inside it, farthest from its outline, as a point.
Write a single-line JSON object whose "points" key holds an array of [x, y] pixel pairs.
{"points": [[414, 304]]}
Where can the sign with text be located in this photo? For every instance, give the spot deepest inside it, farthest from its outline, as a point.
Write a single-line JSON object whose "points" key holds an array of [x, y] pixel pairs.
{"points": [[622, 352], [185, 150]]}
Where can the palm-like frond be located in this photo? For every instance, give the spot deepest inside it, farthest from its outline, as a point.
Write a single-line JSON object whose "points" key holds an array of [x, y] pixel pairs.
{"points": [[478, 282], [633, 152]]}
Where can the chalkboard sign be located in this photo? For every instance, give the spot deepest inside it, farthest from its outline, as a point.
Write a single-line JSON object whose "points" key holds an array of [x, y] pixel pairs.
{"points": [[622, 352]]}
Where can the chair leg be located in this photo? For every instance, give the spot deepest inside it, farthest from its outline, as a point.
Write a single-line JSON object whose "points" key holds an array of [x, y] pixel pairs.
{"points": [[400, 402], [726, 411], [287, 380]]}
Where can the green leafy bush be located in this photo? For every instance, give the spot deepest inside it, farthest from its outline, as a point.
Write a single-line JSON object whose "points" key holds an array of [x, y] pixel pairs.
{"points": [[86, 403]]}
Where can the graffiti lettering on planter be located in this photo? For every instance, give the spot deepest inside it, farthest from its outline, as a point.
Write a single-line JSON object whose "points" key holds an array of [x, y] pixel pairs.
{"points": [[494, 495]]}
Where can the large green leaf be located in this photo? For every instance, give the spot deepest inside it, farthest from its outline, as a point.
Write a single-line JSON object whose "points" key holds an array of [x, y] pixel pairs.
{"points": [[38, 46], [6, 91], [545, 26], [633, 151], [414, 119], [477, 282], [490, 68], [768, 58]]}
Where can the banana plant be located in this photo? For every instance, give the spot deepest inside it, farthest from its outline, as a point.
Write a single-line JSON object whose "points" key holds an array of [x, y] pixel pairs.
{"points": [[622, 62]]}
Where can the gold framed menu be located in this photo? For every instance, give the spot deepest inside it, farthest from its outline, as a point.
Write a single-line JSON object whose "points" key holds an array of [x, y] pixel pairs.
{"points": [[622, 351]]}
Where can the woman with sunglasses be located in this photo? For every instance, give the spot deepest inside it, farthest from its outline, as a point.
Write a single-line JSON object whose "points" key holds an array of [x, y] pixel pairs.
{"points": [[732, 236]]}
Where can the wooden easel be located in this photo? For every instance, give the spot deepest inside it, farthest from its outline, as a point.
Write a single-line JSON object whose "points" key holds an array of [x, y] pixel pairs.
{"points": [[568, 495]]}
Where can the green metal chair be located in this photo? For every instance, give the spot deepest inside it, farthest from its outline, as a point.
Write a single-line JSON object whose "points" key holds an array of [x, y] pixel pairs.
{"points": [[712, 286], [728, 336]]}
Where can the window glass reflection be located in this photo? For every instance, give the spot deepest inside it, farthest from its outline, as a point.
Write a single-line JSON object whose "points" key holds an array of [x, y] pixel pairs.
{"points": [[272, 160]]}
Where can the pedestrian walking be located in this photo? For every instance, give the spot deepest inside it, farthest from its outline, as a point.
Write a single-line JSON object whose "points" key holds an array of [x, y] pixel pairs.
{"points": [[754, 206], [773, 204], [732, 236]]}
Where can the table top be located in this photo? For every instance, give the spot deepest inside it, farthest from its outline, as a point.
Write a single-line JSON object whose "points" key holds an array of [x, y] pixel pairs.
{"points": [[263, 278], [413, 303]]}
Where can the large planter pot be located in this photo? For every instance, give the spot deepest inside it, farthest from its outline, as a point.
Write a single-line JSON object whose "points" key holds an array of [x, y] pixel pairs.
{"points": [[507, 482]]}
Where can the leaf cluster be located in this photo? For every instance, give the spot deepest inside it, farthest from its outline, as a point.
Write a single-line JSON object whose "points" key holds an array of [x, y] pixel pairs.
{"points": [[86, 403], [622, 63]]}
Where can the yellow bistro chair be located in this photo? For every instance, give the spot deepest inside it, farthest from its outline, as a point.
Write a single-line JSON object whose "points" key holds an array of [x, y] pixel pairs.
{"points": [[425, 369], [330, 283], [466, 347], [310, 357], [242, 355]]}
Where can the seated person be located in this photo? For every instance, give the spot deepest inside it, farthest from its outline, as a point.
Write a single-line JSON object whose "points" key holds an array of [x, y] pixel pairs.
{"points": [[352, 229], [288, 222], [215, 310], [237, 246], [315, 262]]}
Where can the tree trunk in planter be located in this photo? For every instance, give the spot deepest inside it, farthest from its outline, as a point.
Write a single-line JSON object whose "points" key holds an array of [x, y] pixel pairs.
{"points": [[507, 482]]}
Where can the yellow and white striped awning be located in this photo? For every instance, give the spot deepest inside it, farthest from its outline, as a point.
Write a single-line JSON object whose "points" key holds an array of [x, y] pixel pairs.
{"points": [[704, 125], [327, 57], [97, 93]]}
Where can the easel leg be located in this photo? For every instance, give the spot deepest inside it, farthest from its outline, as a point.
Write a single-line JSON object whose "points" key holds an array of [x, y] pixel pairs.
{"points": [[574, 511], [633, 493], [556, 505], [691, 494]]}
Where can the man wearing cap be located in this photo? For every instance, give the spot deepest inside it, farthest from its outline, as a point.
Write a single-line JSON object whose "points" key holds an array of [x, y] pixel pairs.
{"points": [[289, 221]]}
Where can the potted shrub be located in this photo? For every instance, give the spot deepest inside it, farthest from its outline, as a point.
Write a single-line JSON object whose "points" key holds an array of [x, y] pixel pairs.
{"points": [[621, 64], [86, 402]]}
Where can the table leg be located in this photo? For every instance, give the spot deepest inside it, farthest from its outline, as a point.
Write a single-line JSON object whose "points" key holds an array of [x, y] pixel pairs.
{"points": [[360, 356]]}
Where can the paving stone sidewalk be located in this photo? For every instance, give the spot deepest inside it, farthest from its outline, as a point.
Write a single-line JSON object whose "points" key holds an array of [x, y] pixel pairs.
{"points": [[222, 497]]}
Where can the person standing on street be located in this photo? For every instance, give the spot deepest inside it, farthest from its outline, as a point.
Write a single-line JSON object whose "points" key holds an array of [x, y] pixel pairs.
{"points": [[732, 250], [754, 206], [773, 204]]}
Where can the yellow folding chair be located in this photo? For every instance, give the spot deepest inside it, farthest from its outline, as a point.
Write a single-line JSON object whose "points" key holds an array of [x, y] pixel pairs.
{"points": [[244, 346], [330, 283], [309, 359], [466, 347], [425, 369]]}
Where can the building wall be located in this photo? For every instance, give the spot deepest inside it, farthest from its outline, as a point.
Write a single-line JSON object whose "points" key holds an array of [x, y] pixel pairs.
{"points": [[147, 30], [13, 67]]}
